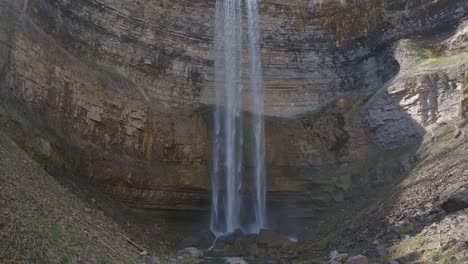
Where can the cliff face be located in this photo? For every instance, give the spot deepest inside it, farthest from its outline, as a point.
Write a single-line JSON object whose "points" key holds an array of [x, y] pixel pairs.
{"points": [[119, 92], [312, 54]]}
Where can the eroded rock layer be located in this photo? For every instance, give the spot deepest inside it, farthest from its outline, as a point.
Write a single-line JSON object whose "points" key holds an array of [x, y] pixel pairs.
{"points": [[311, 54], [119, 93]]}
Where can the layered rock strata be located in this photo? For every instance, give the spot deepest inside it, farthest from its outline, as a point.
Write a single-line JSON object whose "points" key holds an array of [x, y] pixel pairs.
{"points": [[120, 93]]}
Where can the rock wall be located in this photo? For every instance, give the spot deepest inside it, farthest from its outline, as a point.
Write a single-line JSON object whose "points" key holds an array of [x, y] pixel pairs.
{"points": [[124, 139], [311, 56], [119, 93], [426, 93]]}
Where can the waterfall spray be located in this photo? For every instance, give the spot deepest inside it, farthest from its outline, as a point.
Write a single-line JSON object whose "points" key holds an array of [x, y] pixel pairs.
{"points": [[256, 86]]}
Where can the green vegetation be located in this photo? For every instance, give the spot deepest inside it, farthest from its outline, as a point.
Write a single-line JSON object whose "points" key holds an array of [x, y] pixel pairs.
{"points": [[426, 56], [407, 246], [112, 72], [416, 50], [46, 225], [432, 254], [418, 245], [449, 60], [23, 198], [406, 229], [76, 238], [332, 232], [53, 233], [443, 142], [430, 248], [105, 69], [105, 260]]}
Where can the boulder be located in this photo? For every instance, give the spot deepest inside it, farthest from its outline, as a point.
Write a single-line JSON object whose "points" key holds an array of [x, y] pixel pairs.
{"points": [[333, 254], [268, 238], [409, 257], [235, 261], [341, 258], [359, 259], [203, 240], [249, 243], [230, 242], [456, 202], [151, 260], [190, 252]]}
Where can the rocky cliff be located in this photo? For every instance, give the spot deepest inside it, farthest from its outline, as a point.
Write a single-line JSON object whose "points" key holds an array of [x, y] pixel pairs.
{"points": [[119, 94], [312, 54]]}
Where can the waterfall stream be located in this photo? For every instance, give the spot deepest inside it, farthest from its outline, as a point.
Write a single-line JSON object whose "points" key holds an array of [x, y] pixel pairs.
{"points": [[231, 207]]}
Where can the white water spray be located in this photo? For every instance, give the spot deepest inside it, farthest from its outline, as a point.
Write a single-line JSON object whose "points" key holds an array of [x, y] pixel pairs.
{"points": [[229, 211], [256, 86]]}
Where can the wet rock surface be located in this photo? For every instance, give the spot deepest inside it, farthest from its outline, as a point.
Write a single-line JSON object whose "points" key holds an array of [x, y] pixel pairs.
{"points": [[270, 238], [266, 246], [236, 243]]}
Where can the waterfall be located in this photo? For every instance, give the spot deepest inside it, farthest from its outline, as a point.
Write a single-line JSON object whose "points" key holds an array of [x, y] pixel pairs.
{"points": [[256, 86], [229, 209]]}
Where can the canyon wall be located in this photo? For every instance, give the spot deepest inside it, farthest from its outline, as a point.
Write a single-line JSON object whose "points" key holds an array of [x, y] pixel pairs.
{"points": [[311, 55], [119, 93]]}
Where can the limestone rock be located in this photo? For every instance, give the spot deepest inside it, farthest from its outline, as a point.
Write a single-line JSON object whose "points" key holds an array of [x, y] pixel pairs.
{"points": [[237, 243], [359, 259], [342, 258], [249, 243], [459, 41], [190, 253], [333, 254], [228, 240], [235, 261], [336, 257], [151, 260], [456, 202], [412, 104]]}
